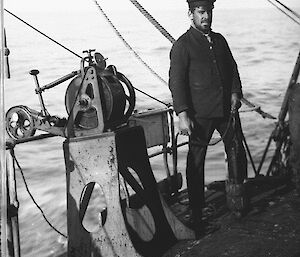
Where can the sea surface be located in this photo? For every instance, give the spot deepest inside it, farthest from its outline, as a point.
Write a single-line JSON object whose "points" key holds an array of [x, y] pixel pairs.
{"points": [[264, 43]]}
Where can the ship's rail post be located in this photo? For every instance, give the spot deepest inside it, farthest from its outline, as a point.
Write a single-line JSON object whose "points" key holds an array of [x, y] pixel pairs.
{"points": [[13, 206], [294, 127], [280, 133], [174, 152]]}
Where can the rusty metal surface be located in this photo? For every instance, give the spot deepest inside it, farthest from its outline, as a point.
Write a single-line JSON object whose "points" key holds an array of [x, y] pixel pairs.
{"points": [[95, 160], [110, 160], [155, 125]]}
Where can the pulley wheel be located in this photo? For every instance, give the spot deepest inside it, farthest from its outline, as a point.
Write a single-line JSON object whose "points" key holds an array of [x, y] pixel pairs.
{"points": [[19, 122]]}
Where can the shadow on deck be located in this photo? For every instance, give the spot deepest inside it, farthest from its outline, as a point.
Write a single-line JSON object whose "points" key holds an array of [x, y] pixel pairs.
{"points": [[271, 228]]}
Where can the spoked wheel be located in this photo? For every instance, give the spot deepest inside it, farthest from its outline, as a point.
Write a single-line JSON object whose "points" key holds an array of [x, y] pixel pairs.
{"points": [[19, 122]]}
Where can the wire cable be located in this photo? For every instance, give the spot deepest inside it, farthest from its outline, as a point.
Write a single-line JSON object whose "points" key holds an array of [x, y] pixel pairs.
{"points": [[289, 9], [284, 12], [31, 196], [56, 42], [165, 33], [40, 32], [155, 23]]}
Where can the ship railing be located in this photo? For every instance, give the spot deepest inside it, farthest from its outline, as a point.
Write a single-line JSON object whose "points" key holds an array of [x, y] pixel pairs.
{"points": [[159, 129]]}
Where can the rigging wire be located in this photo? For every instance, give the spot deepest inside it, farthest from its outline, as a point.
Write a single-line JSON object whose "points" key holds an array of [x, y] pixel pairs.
{"points": [[284, 12], [51, 39], [289, 9], [163, 31], [40, 32], [154, 22], [160, 28], [31, 196], [154, 98]]}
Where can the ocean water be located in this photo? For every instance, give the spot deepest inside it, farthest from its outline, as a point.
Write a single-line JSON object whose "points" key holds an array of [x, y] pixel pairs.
{"points": [[264, 43]]}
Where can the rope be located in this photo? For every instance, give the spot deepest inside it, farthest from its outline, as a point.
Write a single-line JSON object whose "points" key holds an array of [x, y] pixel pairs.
{"points": [[249, 153], [257, 109], [211, 143], [31, 196], [249, 109]]}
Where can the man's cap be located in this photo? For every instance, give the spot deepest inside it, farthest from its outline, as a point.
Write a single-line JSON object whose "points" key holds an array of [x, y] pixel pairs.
{"points": [[205, 3]]}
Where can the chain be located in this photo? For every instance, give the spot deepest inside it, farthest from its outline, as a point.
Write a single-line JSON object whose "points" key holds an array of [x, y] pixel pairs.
{"points": [[153, 21], [128, 45]]}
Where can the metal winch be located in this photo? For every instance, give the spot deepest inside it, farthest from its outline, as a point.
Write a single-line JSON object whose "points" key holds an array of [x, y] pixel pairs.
{"points": [[98, 99]]}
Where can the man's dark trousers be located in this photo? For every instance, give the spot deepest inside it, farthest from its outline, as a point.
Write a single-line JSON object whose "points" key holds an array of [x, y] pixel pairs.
{"points": [[201, 135]]}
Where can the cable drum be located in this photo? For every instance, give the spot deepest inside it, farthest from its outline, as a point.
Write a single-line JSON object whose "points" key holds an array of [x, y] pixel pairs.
{"points": [[117, 100]]}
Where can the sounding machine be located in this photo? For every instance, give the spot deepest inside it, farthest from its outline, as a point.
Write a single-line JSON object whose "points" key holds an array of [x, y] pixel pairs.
{"points": [[106, 163]]}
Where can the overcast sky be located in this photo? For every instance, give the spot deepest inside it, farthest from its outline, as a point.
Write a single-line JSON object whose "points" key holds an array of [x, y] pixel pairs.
{"points": [[86, 5]]}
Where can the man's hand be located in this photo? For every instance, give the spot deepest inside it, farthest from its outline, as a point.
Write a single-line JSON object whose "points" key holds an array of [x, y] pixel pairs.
{"points": [[235, 102], [185, 124]]}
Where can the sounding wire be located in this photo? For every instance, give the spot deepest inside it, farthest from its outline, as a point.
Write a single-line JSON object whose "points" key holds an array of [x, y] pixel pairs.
{"points": [[51, 39], [32, 198], [134, 52], [42, 33], [146, 14]]}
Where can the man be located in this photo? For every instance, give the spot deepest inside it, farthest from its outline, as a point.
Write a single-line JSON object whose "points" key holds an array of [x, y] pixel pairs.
{"points": [[205, 86]]}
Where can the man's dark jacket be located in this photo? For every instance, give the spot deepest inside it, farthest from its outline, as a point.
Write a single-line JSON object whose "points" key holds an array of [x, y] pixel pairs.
{"points": [[203, 75]]}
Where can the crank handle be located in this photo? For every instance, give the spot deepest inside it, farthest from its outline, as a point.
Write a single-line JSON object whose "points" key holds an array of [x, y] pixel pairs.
{"points": [[59, 81], [34, 73]]}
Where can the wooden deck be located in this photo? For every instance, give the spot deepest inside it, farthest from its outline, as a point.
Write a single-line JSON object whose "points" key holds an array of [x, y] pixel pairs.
{"points": [[271, 228]]}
